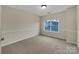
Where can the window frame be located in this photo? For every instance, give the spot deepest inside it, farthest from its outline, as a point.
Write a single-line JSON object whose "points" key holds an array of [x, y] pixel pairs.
{"points": [[50, 25]]}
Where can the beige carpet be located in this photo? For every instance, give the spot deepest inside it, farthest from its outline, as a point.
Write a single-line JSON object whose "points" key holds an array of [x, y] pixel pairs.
{"points": [[40, 45]]}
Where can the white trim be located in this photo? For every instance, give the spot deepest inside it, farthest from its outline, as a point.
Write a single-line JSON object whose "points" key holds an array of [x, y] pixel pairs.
{"points": [[29, 36]]}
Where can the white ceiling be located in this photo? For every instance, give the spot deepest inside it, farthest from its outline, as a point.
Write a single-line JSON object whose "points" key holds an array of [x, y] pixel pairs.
{"points": [[37, 10]]}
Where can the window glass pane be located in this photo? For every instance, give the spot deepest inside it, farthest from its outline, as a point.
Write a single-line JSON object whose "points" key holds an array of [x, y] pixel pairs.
{"points": [[47, 25], [54, 23], [54, 28], [51, 26]]}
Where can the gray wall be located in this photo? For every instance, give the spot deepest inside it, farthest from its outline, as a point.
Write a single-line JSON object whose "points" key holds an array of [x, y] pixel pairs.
{"points": [[59, 16], [67, 25], [71, 25], [0, 28], [78, 26], [18, 25]]}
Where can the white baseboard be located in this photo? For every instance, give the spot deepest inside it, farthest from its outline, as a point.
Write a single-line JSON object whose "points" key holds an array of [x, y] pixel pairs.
{"points": [[11, 42]]}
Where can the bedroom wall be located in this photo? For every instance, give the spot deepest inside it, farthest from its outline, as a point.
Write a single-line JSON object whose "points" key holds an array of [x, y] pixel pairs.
{"points": [[67, 25], [18, 25], [78, 26], [71, 25], [0, 28], [60, 17]]}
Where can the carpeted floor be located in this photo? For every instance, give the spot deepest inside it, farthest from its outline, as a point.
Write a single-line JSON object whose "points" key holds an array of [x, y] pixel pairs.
{"points": [[40, 45]]}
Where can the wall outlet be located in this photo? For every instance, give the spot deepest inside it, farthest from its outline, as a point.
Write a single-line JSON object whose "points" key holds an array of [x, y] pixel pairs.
{"points": [[2, 39]]}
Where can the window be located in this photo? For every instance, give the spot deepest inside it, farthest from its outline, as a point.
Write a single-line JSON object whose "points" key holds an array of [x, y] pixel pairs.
{"points": [[51, 25]]}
